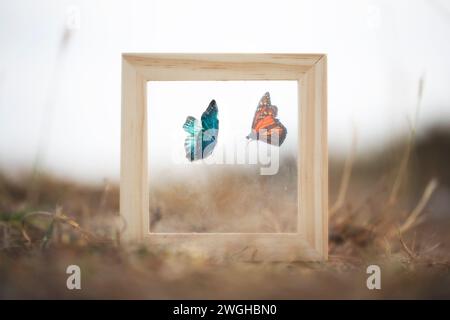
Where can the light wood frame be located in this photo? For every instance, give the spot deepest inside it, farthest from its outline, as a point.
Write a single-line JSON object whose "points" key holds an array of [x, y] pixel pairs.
{"points": [[310, 242]]}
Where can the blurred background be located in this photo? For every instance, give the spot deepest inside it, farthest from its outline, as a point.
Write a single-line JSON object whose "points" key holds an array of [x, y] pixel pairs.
{"points": [[388, 132], [60, 67]]}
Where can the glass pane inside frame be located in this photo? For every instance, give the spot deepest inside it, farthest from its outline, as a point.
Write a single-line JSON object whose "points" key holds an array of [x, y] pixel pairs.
{"points": [[230, 185]]}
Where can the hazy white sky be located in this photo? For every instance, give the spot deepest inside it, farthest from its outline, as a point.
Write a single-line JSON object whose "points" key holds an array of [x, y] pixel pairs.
{"points": [[170, 102], [62, 97]]}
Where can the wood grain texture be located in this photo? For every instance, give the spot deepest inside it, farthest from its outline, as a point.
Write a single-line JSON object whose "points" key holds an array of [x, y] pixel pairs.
{"points": [[134, 195], [238, 246], [160, 67], [310, 70], [313, 160]]}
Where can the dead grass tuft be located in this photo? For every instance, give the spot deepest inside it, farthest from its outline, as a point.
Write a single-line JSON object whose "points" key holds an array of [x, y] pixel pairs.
{"points": [[58, 223]]}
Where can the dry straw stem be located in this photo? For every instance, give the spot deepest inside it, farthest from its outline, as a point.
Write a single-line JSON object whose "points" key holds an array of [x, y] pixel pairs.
{"points": [[414, 218], [57, 217], [410, 253], [402, 168], [343, 188], [409, 146]]}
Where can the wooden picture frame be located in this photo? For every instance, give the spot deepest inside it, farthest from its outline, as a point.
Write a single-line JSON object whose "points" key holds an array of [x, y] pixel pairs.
{"points": [[310, 242]]}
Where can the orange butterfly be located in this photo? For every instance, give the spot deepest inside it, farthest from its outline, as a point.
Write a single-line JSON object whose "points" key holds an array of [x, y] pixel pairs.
{"points": [[265, 126]]}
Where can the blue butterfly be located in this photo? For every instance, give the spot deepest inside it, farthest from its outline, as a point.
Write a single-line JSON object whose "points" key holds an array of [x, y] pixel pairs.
{"points": [[202, 138]]}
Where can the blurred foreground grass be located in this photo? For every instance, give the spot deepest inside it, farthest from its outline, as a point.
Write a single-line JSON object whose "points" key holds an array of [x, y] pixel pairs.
{"points": [[381, 212]]}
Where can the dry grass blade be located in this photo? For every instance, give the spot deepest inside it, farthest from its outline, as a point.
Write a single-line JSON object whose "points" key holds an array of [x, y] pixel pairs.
{"points": [[340, 200], [409, 146], [23, 224], [413, 218], [410, 253], [57, 217], [60, 217], [431, 248], [5, 228], [105, 194], [402, 169]]}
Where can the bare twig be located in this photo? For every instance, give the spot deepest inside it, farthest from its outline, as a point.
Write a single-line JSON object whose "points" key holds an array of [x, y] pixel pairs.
{"points": [[414, 218]]}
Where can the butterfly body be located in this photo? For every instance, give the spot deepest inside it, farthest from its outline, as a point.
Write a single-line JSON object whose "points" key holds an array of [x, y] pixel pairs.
{"points": [[202, 135], [266, 127]]}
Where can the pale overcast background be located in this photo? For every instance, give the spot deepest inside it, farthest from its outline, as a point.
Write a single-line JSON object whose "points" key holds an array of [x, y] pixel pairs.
{"points": [[60, 67], [170, 102]]}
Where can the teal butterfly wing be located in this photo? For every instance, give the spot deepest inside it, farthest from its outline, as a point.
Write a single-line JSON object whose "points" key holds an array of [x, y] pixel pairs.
{"points": [[202, 136], [192, 143], [210, 128]]}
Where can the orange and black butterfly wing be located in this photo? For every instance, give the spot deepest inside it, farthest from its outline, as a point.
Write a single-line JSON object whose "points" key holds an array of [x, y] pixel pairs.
{"points": [[264, 107], [265, 126], [274, 133]]}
